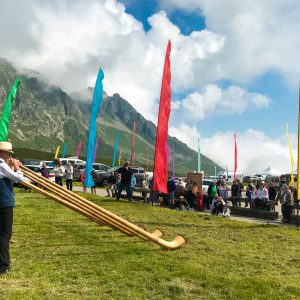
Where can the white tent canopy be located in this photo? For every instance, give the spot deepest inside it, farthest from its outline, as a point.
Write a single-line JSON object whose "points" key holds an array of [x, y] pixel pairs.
{"points": [[271, 171]]}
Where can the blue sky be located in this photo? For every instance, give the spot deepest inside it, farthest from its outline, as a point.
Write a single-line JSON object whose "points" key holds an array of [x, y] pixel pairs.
{"points": [[271, 83], [235, 64]]}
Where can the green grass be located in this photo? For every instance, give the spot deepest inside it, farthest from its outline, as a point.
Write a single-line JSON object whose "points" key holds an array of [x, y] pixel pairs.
{"points": [[58, 254]]}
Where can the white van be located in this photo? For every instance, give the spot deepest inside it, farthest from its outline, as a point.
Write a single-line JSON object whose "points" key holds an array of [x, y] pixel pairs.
{"points": [[72, 160], [229, 176]]}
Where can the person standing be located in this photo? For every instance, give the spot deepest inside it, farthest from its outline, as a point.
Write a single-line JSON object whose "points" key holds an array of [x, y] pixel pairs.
{"points": [[69, 176], [126, 174], [94, 176], [287, 204], [9, 173], [132, 183], [44, 171], [59, 172]]}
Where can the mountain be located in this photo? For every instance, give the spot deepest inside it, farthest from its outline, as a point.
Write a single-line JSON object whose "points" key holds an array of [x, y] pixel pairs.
{"points": [[44, 116]]}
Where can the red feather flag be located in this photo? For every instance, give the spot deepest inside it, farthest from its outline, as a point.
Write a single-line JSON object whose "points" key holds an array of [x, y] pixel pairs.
{"points": [[235, 157], [160, 170]]}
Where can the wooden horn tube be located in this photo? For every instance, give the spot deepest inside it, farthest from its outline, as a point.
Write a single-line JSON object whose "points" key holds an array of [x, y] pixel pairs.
{"points": [[176, 243], [74, 204], [69, 196], [69, 205], [84, 207]]}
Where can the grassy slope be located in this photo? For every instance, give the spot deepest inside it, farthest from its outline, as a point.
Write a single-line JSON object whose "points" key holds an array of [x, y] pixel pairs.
{"points": [[57, 254]]}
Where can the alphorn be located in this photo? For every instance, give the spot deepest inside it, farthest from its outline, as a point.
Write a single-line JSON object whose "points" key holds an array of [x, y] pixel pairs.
{"points": [[97, 213], [67, 198]]}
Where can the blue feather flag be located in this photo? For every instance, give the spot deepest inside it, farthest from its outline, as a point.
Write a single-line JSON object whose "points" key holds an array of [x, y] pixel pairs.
{"points": [[97, 100], [116, 149], [64, 150]]}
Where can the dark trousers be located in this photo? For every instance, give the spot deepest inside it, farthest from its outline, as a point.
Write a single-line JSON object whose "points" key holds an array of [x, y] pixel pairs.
{"points": [[69, 183], [287, 212], [6, 221], [58, 180], [128, 191]]}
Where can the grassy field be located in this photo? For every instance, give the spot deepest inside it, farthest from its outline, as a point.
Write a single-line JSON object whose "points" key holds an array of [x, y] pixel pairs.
{"points": [[57, 254]]}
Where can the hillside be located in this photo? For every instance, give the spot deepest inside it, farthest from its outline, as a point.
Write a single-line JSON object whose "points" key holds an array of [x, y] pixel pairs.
{"points": [[45, 116]]}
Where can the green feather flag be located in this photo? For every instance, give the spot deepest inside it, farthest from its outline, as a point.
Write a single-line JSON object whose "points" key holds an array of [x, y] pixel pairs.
{"points": [[4, 121]]}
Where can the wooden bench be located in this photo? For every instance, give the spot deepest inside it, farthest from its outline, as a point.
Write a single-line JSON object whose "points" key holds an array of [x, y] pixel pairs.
{"points": [[270, 203], [144, 193], [254, 213]]}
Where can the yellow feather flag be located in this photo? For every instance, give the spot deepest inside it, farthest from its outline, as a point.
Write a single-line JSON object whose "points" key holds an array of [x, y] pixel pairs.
{"points": [[292, 182], [57, 151]]}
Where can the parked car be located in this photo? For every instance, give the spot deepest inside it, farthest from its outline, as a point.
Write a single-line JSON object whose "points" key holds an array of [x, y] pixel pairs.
{"points": [[102, 178], [31, 162], [37, 169], [78, 169]]}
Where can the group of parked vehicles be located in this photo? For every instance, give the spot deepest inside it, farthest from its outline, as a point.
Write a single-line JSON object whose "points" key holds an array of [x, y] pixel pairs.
{"points": [[103, 171]]}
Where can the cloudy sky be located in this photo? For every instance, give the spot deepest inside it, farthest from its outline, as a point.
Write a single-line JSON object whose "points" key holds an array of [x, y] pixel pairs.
{"points": [[235, 65]]}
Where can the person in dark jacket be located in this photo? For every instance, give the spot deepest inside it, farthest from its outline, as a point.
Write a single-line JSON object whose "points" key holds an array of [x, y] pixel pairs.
{"points": [[235, 193], [171, 186], [126, 174], [9, 173], [272, 191], [45, 171]]}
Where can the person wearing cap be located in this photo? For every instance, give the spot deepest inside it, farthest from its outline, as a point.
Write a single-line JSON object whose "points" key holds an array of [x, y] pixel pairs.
{"points": [[9, 173]]}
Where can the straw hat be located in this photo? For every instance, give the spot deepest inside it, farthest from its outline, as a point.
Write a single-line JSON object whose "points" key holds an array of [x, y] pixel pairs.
{"points": [[6, 146]]}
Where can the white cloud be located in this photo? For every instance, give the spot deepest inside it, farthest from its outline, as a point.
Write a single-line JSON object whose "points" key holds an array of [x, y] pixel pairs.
{"points": [[260, 35], [214, 101], [68, 41], [256, 151]]}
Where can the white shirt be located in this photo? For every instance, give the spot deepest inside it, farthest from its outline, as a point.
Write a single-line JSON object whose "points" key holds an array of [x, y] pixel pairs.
{"points": [[7, 172], [69, 172]]}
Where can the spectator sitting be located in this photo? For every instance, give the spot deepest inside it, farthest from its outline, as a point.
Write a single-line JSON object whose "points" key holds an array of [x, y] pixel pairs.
{"points": [[254, 196], [222, 190], [199, 199], [217, 205], [263, 196], [248, 196], [181, 204], [235, 194]]}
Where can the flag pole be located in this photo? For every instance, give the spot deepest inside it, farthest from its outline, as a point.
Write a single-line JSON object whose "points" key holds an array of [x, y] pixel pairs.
{"points": [[298, 160]]}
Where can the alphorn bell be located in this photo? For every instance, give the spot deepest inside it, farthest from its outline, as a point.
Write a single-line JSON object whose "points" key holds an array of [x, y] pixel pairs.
{"points": [[97, 213]]}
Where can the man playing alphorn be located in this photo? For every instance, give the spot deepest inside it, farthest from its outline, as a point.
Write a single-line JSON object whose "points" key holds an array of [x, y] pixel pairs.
{"points": [[9, 173]]}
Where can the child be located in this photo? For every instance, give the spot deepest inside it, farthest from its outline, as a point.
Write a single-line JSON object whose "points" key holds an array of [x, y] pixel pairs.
{"points": [[82, 178], [248, 196], [94, 176], [226, 211]]}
